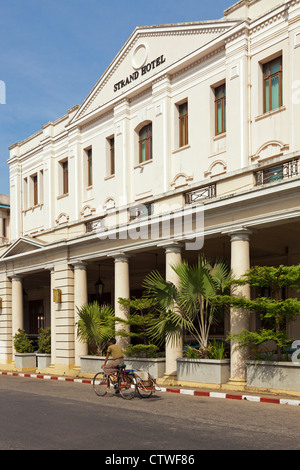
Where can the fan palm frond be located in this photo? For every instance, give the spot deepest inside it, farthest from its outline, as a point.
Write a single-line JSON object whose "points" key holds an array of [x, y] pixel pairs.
{"points": [[96, 324], [188, 306]]}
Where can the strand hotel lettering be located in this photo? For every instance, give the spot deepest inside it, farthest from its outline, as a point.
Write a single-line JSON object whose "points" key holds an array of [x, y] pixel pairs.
{"points": [[135, 75]]}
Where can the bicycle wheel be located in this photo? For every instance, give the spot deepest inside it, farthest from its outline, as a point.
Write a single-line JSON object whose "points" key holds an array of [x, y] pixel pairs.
{"points": [[126, 386], [100, 384], [144, 391]]}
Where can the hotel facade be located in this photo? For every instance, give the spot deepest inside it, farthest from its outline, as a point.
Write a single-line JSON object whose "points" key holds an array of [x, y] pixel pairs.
{"points": [[189, 143]]}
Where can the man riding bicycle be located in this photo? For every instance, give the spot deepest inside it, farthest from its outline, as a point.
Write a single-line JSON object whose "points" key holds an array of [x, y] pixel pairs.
{"points": [[117, 359]]}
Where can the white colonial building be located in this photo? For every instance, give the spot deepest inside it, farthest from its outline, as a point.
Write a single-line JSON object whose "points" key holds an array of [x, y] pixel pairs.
{"points": [[194, 121]]}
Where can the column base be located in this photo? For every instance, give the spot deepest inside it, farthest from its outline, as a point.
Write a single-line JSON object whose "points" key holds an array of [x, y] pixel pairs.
{"points": [[168, 378], [236, 384]]}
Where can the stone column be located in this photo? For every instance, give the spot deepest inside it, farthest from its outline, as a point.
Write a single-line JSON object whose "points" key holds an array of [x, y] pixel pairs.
{"points": [[173, 351], [80, 298], [239, 318], [6, 352], [53, 319], [17, 304], [122, 289]]}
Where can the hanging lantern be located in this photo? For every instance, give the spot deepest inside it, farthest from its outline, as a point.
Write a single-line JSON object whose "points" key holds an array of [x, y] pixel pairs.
{"points": [[99, 287]]}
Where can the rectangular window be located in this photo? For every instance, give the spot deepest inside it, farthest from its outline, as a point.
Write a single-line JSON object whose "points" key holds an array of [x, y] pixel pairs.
{"points": [[220, 109], [272, 72], [4, 228], [111, 142], [65, 179], [183, 124], [35, 199], [25, 193], [41, 187], [90, 167]]}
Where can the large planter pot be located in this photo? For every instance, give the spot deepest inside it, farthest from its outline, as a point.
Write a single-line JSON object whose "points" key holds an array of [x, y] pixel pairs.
{"points": [[155, 366], [273, 375], [25, 361], [91, 364], [207, 371], [43, 360]]}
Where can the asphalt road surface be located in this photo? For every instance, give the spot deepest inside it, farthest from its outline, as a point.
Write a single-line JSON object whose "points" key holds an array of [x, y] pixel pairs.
{"points": [[54, 415]]}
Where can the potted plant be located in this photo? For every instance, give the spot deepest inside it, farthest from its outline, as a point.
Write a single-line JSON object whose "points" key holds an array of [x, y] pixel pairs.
{"points": [[25, 357], [44, 348], [189, 307], [96, 325], [211, 367], [142, 354], [275, 312]]}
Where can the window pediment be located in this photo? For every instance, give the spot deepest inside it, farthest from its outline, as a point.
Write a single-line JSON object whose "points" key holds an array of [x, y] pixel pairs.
{"points": [[270, 149], [22, 245]]}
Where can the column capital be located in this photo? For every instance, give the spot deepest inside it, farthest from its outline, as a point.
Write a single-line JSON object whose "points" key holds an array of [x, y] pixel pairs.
{"points": [[79, 264], [238, 234], [16, 277], [171, 246], [49, 267], [120, 257]]}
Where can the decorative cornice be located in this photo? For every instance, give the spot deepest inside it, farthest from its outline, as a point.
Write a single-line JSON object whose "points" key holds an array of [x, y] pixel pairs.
{"points": [[98, 118], [269, 22], [237, 35], [199, 61]]}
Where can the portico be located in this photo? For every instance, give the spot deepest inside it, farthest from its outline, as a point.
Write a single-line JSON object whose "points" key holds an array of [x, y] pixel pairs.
{"points": [[122, 274], [172, 154]]}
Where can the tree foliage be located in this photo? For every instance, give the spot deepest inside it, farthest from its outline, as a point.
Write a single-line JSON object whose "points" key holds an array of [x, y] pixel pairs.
{"points": [[274, 311], [139, 318], [188, 306]]}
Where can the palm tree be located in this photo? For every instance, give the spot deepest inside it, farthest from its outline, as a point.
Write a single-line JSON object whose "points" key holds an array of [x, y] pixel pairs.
{"points": [[188, 306], [96, 324]]}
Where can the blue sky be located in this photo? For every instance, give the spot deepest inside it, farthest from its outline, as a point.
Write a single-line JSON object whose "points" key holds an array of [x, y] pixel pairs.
{"points": [[52, 52]]}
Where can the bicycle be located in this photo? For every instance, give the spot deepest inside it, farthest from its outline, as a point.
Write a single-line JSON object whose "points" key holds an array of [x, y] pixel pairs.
{"points": [[125, 383]]}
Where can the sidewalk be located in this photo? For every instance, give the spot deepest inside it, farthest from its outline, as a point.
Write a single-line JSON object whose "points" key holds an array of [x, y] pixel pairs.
{"points": [[261, 397]]}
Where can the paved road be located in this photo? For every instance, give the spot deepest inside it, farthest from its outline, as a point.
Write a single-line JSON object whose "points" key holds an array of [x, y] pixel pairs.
{"points": [[44, 414]]}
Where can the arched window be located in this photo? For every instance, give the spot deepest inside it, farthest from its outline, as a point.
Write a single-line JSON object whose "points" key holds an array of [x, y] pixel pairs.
{"points": [[145, 143]]}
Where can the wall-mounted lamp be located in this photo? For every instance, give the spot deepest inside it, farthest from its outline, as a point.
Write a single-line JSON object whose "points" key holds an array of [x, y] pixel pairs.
{"points": [[57, 295]]}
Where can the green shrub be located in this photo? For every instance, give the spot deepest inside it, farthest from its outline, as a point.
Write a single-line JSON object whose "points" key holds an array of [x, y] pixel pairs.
{"points": [[44, 341], [192, 353], [141, 350], [217, 350], [22, 343]]}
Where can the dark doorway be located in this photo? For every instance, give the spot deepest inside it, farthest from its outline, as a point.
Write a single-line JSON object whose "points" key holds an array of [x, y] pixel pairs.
{"points": [[36, 316]]}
